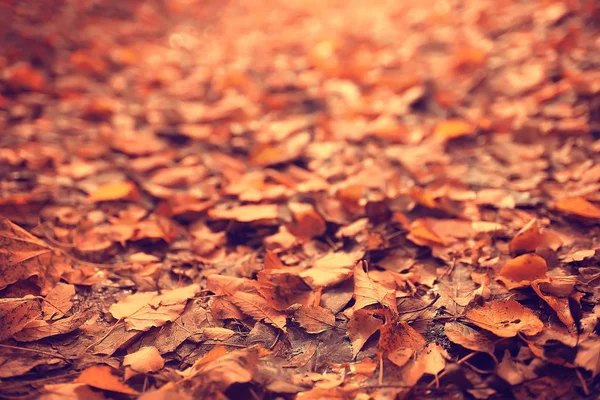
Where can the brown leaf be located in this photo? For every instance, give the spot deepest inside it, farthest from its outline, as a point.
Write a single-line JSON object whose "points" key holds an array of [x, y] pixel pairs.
{"points": [[16, 313], [100, 376], [147, 359], [367, 292], [362, 325], [315, 319], [258, 308], [58, 301], [578, 206], [505, 318], [22, 256], [331, 269], [114, 191], [588, 355], [39, 329], [395, 334], [558, 304], [469, 338], [522, 270]]}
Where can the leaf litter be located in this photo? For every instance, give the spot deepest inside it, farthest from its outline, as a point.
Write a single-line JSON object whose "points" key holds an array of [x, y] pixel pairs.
{"points": [[284, 200]]}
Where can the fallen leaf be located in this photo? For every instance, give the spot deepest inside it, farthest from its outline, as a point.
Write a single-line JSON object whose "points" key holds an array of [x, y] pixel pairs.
{"points": [[258, 308], [452, 129], [224, 370], [70, 391], [58, 301], [559, 304], [362, 325], [578, 206], [314, 319], [145, 360], [330, 269], [114, 191], [100, 376], [217, 333], [395, 334], [522, 270], [143, 310], [367, 292], [588, 355], [16, 313], [505, 318], [22, 256], [249, 213], [469, 338], [39, 329]]}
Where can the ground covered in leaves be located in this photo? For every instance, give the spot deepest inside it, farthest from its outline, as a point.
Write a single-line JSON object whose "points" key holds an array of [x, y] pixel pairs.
{"points": [[299, 199]]}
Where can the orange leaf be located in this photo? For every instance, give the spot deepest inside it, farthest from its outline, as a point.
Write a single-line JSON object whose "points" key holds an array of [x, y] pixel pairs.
{"points": [[100, 377], [469, 338], [259, 309], [147, 359], [367, 292], [578, 206], [114, 191], [217, 333], [453, 128], [249, 213], [505, 318], [315, 319], [521, 271], [362, 325], [558, 304], [395, 334], [527, 239]]}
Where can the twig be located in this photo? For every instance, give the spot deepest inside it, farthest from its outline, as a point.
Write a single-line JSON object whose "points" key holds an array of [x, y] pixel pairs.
{"points": [[7, 346], [432, 302]]}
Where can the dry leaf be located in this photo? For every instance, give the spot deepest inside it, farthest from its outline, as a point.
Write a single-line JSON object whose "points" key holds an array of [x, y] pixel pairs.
{"points": [[39, 329], [469, 338], [505, 318], [217, 333], [100, 376], [362, 325], [145, 360], [331, 269], [114, 191], [70, 391], [249, 213], [58, 301], [453, 128], [258, 308], [395, 334], [367, 292], [16, 313], [578, 206], [143, 310], [521, 271], [22, 256], [225, 369], [314, 319], [558, 304]]}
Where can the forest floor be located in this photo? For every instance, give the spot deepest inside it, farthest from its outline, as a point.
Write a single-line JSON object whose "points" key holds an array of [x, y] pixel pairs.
{"points": [[299, 199]]}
